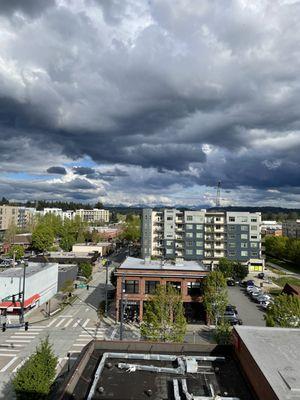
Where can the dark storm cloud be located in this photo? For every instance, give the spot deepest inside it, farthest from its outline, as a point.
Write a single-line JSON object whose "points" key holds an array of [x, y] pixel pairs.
{"points": [[57, 170], [150, 84], [31, 8]]}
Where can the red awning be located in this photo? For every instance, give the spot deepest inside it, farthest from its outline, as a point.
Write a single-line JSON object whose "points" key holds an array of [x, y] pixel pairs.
{"points": [[17, 304]]}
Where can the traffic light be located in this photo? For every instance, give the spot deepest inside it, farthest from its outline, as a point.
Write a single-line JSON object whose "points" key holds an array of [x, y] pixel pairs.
{"points": [[26, 326], [87, 287], [4, 327]]}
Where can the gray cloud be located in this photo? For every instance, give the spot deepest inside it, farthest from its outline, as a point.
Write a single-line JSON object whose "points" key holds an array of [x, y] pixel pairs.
{"points": [[57, 170], [145, 86]]}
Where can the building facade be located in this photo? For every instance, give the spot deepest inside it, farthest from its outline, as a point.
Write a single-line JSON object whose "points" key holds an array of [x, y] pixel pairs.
{"points": [[291, 229], [202, 235], [21, 217], [138, 279], [95, 215]]}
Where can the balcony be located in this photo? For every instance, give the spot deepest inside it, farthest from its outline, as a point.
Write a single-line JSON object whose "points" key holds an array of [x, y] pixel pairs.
{"points": [[209, 237], [208, 246]]}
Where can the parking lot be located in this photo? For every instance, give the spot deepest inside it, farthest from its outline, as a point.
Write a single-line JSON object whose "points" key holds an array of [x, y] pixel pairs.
{"points": [[249, 311]]}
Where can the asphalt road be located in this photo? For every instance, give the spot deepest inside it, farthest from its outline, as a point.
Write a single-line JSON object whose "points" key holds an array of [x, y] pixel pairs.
{"points": [[250, 312]]}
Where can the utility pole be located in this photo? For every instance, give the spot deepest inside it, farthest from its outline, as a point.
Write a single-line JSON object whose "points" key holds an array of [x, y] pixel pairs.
{"points": [[23, 294], [122, 307], [106, 294]]}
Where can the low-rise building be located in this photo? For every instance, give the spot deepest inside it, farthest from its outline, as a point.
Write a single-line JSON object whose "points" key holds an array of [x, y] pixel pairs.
{"points": [[138, 279], [65, 257], [291, 229], [107, 233], [95, 215], [270, 359], [40, 286], [271, 228], [102, 248]]}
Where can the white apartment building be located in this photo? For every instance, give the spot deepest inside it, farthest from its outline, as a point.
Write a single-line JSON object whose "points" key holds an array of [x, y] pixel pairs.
{"points": [[95, 215], [202, 235], [21, 217]]}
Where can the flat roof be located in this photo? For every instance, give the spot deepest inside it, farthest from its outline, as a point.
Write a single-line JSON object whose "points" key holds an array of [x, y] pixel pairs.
{"points": [[140, 263], [31, 269], [277, 353], [92, 244]]}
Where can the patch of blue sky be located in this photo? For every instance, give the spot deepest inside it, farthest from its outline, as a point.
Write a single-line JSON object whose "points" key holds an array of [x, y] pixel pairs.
{"points": [[82, 162], [24, 176]]}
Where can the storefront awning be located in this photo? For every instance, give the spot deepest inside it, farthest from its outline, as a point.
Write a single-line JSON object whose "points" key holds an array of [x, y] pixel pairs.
{"points": [[17, 304]]}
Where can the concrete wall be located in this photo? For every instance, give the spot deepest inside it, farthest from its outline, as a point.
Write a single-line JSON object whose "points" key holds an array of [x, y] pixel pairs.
{"points": [[66, 273]]}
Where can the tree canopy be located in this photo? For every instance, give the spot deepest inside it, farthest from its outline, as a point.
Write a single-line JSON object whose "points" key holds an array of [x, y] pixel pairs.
{"points": [[284, 312], [164, 319], [132, 230], [215, 295], [18, 250], [232, 269], [86, 270], [42, 238]]}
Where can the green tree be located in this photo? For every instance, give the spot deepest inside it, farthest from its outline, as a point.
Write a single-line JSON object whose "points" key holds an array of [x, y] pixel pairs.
{"points": [[222, 333], [113, 278], [215, 295], [42, 238], [18, 250], [34, 379], [239, 271], [164, 319], [293, 250], [86, 270], [276, 246], [226, 267], [284, 312], [66, 241], [132, 230]]}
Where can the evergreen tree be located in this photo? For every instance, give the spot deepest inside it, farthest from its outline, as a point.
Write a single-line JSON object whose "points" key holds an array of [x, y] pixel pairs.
{"points": [[34, 379], [164, 319]]}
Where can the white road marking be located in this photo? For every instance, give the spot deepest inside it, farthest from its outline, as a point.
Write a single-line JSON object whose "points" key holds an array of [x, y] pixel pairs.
{"points": [[22, 337], [9, 350], [9, 364], [60, 322], [65, 316], [84, 339], [20, 365], [52, 322], [79, 345], [6, 355], [17, 341], [76, 323], [113, 333], [68, 323], [86, 322], [27, 333], [10, 346]]}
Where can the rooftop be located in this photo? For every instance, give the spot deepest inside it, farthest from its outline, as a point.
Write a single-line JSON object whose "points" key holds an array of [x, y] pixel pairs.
{"points": [[100, 244], [31, 269], [277, 353], [140, 263]]}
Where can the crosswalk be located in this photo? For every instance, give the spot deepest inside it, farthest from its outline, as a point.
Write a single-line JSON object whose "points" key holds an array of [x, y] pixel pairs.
{"points": [[86, 336], [65, 321]]}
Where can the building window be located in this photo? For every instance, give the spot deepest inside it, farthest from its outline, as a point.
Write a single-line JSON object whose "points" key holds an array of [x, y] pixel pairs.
{"points": [[150, 286], [189, 243], [189, 218], [244, 253], [231, 253], [244, 245], [253, 227], [189, 252], [253, 237], [253, 219], [199, 235], [231, 236], [199, 252], [199, 227], [244, 228], [189, 226], [194, 288], [131, 286], [218, 227], [169, 251], [169, 218], [244, 236], [254, 245], [231, 219], [175, 285], [218, 219], [254, 254], [199, 244], [231, 228], [231, 245], [189, 234], [169, 242]]}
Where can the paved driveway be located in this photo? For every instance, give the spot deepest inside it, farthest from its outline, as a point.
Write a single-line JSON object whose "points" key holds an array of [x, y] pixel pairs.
{"points": [[249, 312]]}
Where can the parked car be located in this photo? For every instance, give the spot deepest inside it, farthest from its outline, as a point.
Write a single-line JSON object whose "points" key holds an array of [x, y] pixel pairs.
{"points": [[230, 307], [251, 289], [263, 297], [250, 283], [266, 304], [261, 275], [230, 282], [232, 319], [256, 294]]}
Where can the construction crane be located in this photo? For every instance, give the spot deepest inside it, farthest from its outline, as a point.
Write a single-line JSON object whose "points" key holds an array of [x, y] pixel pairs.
{"points": [[218, 198]]}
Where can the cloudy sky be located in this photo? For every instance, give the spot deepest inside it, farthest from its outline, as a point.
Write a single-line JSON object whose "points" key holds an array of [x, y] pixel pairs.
{"points": [[150, 101]]}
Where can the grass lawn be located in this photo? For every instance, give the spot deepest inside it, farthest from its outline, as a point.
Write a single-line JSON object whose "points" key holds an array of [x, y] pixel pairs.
{"points": [[285, 264], [283, 280]]}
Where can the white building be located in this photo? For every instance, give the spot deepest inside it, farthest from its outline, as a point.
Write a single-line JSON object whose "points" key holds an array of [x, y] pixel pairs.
{"points": [[102, 248], [95, 215], [40, 286]]}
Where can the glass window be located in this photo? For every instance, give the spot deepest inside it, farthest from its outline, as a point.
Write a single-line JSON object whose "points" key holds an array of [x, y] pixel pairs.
{"points": [[189, 226], [199, 244], [199, 252], [150, 286], [189, 252], [244, 253], [199, 227], [231, 228], [231, 253], [254, 244], [194, 288], [131, 286], [254, 254], [189, 234], [244, 227], [232, 245], [253, 237], [189, 243], [253, 227], [189, 218], [244, 245], [169, 251], [218, 219], [169, 242], [244, 236], [231, 219], [199, 235], [231, 236], [175, 285], [169, 218], [253, 219]]}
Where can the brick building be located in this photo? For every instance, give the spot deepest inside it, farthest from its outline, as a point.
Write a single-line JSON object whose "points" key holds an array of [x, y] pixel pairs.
{"points": [[140, 279]]}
